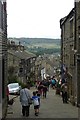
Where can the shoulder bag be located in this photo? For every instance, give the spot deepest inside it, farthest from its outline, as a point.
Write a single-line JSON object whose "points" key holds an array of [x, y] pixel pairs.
{"points": [[29, 99]]}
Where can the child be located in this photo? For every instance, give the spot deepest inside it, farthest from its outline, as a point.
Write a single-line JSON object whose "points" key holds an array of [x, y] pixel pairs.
{"points": [[36, 103], [38, 94]]}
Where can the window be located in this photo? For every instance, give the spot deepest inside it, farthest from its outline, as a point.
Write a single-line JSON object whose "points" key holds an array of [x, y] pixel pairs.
{"points": [[71, 28], [79, 30], [33, 58], [3, 78], [71, 55], [21, 70], [31, 61]]}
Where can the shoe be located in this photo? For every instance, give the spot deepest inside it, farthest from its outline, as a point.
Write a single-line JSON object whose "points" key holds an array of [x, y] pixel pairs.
{"points": [[27, 115], [66, 102], [36, 114]]}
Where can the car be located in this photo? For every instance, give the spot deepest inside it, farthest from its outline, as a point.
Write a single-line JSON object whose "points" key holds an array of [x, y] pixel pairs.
{"points": [[14, 88]]}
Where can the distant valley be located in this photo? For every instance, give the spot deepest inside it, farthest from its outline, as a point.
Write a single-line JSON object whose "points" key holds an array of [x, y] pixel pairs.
{"points": [[39, 46]]}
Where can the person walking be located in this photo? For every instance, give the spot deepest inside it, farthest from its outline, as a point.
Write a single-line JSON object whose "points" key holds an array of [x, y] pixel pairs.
{"points": [[40, 88], [25, 95], [64, 89], [38, 94], [35, 99], [44, 91], [7, 94], [53, 82]]}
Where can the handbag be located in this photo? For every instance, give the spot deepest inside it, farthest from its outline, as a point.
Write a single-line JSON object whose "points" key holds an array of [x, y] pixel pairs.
{"points": [[29, 99], [10, 102]]}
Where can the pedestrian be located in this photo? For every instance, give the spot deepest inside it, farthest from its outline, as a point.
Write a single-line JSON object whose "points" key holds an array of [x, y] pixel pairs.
{"points": [[25, 95], [64, 90], [35, 99], [44, 91], [7, 94], [38, 94], [40, 88], [53, 82]]}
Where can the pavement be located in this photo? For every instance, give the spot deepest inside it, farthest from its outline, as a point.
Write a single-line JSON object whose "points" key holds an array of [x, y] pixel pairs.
{"points": [[51, 107]]}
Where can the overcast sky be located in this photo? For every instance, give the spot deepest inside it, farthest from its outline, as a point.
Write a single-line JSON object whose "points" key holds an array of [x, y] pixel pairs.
{"points": [[36, 18]]}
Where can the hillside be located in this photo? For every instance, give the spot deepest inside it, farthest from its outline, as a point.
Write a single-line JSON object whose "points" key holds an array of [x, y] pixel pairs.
{"points": [[39, 45]]}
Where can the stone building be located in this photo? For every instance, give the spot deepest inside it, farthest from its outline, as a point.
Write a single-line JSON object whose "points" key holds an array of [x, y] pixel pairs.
{"points": [[67, 25], [46, 65], [22, 61], [70, 51], [3, 56], [77, 49]]}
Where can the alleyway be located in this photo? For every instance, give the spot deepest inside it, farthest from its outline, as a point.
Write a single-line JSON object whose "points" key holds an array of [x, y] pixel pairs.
{"points": [[51, 107]]}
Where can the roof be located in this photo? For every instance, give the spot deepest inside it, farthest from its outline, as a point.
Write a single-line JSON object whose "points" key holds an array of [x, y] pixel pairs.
{"points": [[63, 20], [21, 54]]}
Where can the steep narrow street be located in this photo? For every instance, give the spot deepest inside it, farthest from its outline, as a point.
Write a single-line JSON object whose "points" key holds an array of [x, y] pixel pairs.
{"points": [[51, 107]]}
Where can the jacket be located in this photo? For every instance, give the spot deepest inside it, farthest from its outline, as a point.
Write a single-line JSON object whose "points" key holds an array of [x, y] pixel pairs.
{"points": [[24, 96]]}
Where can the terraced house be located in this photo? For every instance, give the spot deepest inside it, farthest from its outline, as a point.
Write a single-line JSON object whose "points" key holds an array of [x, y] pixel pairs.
{"points": [[70, 51], [21, 61], [77, 48], [3, 57]]}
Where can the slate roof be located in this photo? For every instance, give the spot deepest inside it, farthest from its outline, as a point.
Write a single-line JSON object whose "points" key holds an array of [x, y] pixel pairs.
{"points": [[22, 54], [62, 20]]}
